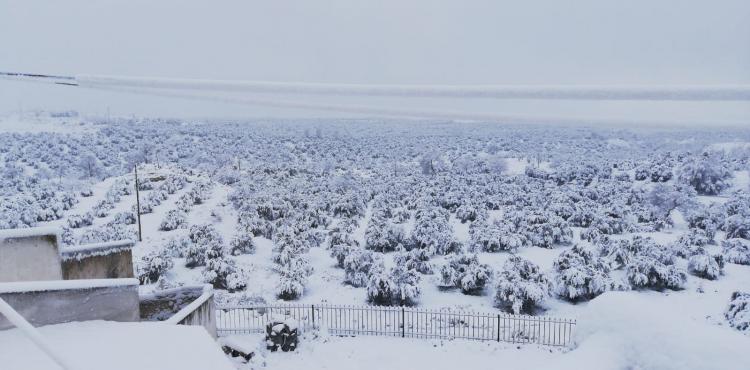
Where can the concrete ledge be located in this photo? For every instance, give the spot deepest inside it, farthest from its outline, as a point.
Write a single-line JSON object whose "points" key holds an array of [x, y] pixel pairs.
{"points": [[55, 302]]}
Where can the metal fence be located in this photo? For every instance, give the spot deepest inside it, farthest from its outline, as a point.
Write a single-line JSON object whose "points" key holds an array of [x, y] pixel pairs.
{"points": [[400, 322]]}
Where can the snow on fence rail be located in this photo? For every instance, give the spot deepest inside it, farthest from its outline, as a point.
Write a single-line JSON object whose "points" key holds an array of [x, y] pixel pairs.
{"points": [[401, 322]]}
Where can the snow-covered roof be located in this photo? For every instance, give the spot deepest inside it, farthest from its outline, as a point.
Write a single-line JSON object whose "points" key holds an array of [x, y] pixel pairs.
{"points": [[42, 286], [96, 249], [30, 232], [96, 345]]}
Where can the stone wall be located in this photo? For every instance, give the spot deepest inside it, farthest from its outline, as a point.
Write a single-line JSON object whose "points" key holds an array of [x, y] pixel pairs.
{"points": [[115, 265]]}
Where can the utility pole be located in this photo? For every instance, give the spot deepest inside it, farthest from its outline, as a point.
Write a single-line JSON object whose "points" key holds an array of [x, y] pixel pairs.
{"points": [[138, 204]]}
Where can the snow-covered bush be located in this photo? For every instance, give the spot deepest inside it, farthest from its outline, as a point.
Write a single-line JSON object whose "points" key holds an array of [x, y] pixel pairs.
{"points": [[405, 290], [738, 225], [580, 274], [736, 251], [466, 273], [348, 205], [468, 212], [287, 245], [647, 264], [173, 183], [293, 278], [340, 251], [689, 243], [542, 229], [706, 173], [417, 259], [649, 272], [102, 208], [124, 218], [110, 232], [657, 171], [153, 266], [222, 273], [205, 243], [433, 233], [66, 236], [399, 286], [359, 264], [173, 220], [178, 247], [495, 237], [380, 288], [241, 243], [78, 221], [705, 265], [383, 236], [707, 219], [738, 311], [521, 286]]}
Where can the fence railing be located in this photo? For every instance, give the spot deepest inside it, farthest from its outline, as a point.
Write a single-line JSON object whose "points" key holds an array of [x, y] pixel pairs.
{"points": [[400, 322]]}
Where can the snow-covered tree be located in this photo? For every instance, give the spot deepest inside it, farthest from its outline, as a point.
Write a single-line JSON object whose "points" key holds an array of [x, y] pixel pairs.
{"points": [[521, 286], [736, 251], [706, 173], [464, 271]]}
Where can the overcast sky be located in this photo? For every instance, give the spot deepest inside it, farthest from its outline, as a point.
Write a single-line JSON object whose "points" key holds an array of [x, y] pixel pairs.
{"points": [[383, 41]]}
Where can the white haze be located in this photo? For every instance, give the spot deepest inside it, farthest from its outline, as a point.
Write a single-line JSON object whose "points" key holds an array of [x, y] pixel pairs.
{"points": [[381, 42]]}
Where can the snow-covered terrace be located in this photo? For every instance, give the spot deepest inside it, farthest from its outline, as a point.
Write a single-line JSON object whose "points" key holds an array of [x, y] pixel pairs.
{"points": [[97, 345]]}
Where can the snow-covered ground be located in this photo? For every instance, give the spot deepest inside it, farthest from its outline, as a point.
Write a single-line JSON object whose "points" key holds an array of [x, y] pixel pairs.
{"points": [[621, 330], [277, 173]]}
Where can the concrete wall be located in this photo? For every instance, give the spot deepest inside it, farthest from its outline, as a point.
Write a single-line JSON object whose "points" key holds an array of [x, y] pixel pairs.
{"points": [[45, 303], [28, 257], [116, 265]]}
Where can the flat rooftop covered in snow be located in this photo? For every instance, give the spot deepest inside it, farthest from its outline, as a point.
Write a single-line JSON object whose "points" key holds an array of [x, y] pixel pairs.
{"points": [[96, 345]]}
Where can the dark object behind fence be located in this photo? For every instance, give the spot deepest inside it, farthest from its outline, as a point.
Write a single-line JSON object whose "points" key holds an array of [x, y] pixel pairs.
{"points": [[400, 322]]}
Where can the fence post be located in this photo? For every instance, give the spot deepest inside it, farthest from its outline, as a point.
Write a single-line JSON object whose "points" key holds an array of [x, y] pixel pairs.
{"points": [[403, 323], [312, 311], [498, 327]]}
